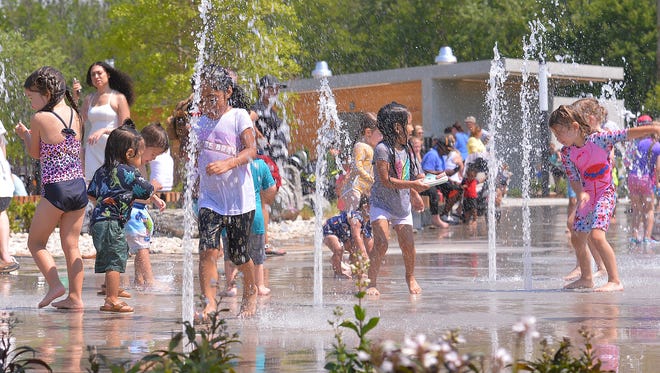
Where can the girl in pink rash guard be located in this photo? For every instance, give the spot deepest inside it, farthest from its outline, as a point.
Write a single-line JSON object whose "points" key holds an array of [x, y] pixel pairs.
{"points": [[585, 158]]}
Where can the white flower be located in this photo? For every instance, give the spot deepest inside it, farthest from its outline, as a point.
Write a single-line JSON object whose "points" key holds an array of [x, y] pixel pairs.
{"points": [[503, 356], [429, 359], [363, 356], [387, 366]]}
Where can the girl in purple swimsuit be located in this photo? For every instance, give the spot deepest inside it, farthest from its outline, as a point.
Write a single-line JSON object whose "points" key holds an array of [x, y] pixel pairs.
{"points": [[585, 157], [54, 139]]}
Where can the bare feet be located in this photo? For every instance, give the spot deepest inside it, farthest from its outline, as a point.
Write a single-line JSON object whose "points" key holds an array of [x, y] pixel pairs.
{"points": [[600, 273], [211, 306], [574, 274], [68, 304], [263, 291], [229, 292], [249, 302], [413, 286], [610, 286], [580, 284], [372, 291], [53, 293], [436, 221]]}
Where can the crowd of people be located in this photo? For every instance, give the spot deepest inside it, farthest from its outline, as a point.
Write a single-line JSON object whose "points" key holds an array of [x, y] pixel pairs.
{"points": [[93, 165]]}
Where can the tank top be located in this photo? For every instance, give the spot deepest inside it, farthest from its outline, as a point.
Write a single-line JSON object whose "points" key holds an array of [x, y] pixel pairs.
{"points": [[99, 117], [61, 161]]}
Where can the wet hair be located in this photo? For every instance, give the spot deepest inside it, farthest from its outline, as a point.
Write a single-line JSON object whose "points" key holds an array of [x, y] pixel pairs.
{"points": [[155, 135], [591, 106], [364, 201], [117, 80], [457, 126], [564, 115], [389, 117], [48, 80], [120, 141], [219, 78]]}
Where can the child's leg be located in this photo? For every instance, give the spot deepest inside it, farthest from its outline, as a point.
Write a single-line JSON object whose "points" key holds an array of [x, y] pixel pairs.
{"points": [[381, 232], [230, 278], [70, 225], [609, 259], [208, 278], [144, 275], [648, 206], [332, 242], [259, 279], [44, 221], [585, 281], [112, 282], [249, 301], [406, 239]]}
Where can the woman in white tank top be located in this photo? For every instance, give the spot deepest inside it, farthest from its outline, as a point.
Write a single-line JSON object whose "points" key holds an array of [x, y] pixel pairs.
{"points": [[103, 111]]}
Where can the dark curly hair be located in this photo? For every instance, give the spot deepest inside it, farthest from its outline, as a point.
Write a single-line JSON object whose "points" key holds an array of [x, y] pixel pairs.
{"points": [[117, 80]]}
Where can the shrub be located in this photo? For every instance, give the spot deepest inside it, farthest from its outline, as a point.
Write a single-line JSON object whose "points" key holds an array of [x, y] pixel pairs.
{"points": [[20, 215]]}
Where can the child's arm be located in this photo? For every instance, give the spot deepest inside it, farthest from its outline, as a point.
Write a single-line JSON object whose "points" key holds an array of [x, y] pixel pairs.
{"points": [[30, 136], [159, 203], [245, 156], [643, 131], [383, 168], [416, 200], [356, 236], [360, 159]]}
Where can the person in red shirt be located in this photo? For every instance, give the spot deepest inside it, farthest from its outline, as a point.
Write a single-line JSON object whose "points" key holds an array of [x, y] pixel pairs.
{"points": [[469, 185]]}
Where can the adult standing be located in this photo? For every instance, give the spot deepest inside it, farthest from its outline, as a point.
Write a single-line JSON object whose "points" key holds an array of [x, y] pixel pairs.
{"points": [[273, 133], [273, 139], [461, 139], [103, 111]]}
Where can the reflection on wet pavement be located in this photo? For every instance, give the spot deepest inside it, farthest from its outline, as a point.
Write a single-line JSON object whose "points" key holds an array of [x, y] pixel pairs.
{"points": [[291, 335]]}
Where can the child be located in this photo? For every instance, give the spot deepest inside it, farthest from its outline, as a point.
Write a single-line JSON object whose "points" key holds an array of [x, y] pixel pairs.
{"points": [[264, 188], [115, 185], [350, 230], [585, 159], [54, 138], [361, 175], [140, 226], [470, 195], [226, 190], [397, 182]]}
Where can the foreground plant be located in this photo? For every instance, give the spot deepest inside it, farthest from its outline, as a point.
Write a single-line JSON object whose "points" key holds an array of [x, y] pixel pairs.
{"points": [[342, 358], [209, 352], [420, 354], [16, 359]]}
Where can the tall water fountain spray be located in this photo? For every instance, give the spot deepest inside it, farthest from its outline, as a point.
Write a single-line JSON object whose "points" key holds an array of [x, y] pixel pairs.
{"points": [[187, 291], [498, 110], [532, 50], [329, 132]]}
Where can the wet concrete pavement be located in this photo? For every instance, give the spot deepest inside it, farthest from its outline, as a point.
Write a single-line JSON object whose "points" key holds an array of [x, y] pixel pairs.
{"points": [[290, 334]]}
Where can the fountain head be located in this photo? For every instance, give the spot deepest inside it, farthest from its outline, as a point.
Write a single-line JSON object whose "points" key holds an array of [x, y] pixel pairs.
{"points": [[445, 56], [321, 70]]}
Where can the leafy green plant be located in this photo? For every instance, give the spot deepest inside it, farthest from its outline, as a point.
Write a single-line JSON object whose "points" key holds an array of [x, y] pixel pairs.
{"points": [[342, 358], [20, 215], [209, 352], [16, 359]]}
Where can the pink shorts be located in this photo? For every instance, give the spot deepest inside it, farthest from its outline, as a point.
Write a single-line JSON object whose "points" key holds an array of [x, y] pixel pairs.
{"points": [[641, 184]]}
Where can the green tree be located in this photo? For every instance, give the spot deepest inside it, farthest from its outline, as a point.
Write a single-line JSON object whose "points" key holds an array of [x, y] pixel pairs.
{"points": [[156, 44]]}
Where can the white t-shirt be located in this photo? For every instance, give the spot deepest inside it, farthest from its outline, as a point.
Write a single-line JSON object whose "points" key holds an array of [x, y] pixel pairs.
{"points": [[231, 193], [162, 170]]}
